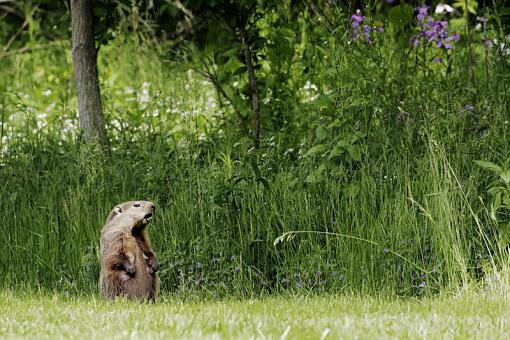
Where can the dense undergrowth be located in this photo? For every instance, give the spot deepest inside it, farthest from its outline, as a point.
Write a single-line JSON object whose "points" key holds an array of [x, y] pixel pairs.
{"points": [[371, 146]]}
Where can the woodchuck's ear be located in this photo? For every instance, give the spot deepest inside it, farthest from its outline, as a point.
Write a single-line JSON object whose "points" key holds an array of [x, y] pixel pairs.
{"points": [[116, 211]]}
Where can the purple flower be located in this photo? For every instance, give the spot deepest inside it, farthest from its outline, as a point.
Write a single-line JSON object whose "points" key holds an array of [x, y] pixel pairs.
{"points": [[423, 12], [432, 31], [423, 284], [356, 20], [438, 60], [366, 32]]}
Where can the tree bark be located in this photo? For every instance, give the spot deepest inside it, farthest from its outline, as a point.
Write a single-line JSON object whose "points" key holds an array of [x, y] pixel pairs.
{"points": [[85, 70], [253, 86]]}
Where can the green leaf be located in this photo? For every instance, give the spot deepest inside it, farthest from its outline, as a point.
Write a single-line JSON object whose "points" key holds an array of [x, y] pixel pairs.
{"points": [[504, 11], [504, 231], [472, 5], [231, 52], [458, 24], [506, 199], [335, 123], [357, 136], [240, 70], [505, 176], [493, 191], [342, 143], [232, 66], [401, 15], [321, 133], [316, 149], [336, 152], [354, 152], [489, 166], [316, 176]]}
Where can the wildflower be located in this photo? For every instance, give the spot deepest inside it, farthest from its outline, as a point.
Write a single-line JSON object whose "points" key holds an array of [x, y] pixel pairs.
{"points": [[438, 59], [423, 11], [432, 31], [385, 250], [356, 20], [423, 284], [299, 284], [442, 8], [341, 276], [366, 32]]}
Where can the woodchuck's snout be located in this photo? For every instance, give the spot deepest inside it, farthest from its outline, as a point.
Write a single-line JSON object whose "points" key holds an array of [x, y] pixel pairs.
{"points": [[128, 264]]}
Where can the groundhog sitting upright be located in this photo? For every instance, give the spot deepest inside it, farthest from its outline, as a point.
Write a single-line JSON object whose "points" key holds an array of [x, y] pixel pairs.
{"points": [[128, 263]]}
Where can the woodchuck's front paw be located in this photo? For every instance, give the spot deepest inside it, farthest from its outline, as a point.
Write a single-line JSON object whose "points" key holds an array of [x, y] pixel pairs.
{"points": [[130, 269], [153, 264]]}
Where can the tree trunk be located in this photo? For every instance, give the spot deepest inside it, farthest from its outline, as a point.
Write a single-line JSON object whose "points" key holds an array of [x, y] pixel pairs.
{"points": [[85, 71], [253, 86]]}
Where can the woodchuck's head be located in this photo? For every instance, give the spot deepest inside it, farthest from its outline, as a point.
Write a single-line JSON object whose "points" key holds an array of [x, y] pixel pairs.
{"points": [[132, 214]]}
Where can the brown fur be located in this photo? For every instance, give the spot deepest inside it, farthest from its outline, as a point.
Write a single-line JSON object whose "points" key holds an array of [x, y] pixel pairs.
{"points": [[128, 263]]}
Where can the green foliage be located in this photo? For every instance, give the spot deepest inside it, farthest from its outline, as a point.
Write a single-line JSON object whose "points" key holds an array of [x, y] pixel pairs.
{"points": [[374, 141], [499, 190], [401, 15]]}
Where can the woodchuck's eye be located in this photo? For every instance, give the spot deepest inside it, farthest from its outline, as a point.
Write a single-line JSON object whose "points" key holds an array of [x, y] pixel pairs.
{"points": [[136, 205]]}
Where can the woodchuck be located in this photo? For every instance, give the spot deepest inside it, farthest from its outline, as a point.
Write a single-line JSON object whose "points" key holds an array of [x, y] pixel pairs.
{"points": [[128, 263]]}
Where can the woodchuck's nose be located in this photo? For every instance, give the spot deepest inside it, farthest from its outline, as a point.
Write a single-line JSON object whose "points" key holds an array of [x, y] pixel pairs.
{"points": [[153, 207]]}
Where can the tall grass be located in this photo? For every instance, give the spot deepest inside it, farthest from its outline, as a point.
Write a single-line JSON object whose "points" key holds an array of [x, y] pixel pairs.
{"points": [[214, 234]]}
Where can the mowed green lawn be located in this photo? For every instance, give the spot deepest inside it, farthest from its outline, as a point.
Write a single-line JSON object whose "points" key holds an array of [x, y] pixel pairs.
{"points": [[36, 316]]}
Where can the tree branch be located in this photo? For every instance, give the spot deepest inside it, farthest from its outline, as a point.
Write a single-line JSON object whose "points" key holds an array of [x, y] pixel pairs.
{"points": [[255, 97]]}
